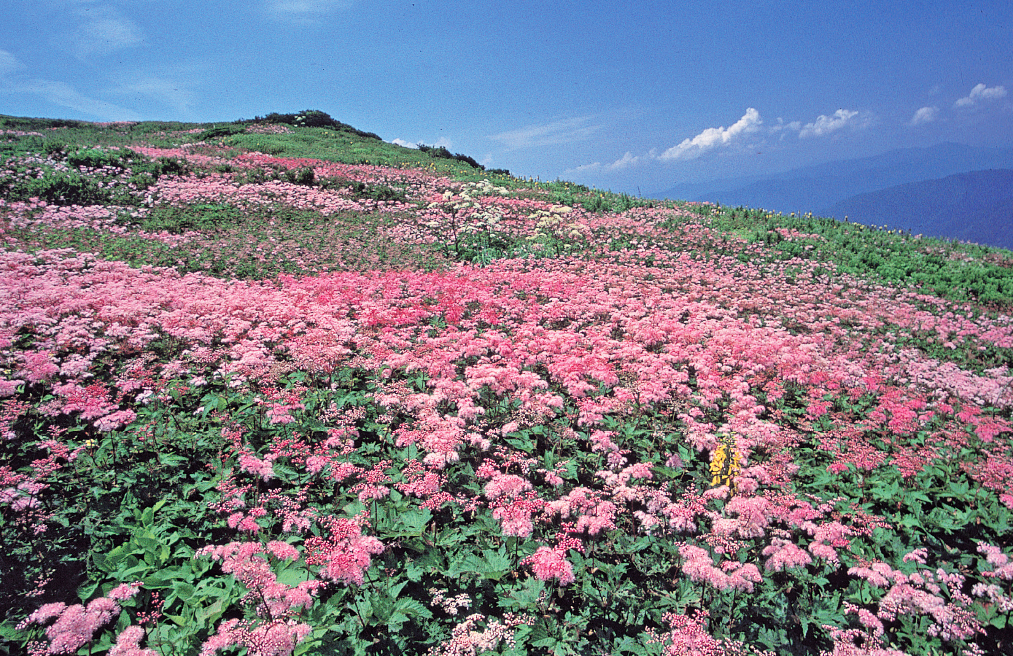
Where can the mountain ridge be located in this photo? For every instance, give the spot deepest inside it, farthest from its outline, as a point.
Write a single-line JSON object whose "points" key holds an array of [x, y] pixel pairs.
{"points": [[810, 188], [974, 206]]}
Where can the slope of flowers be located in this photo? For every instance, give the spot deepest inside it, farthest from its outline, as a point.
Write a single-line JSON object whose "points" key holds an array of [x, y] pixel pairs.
{"points": [[606, 433]]}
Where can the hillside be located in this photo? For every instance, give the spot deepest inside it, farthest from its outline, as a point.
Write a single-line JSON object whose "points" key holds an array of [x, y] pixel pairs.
{"points": [[279, 387], [975, 206]]}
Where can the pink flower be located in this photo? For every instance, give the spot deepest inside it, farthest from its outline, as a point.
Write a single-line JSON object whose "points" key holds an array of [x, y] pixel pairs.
{"points": [[997, 559], [282, 550], [39, 367], [506, 484], [128, 643], [688, 637], [548, 563], [45, 613], [76, 625], [124, 591], [254, 465], [275, 638], [344, 555], [9, 387], [782, 554], [699, 566], [117, 419]]}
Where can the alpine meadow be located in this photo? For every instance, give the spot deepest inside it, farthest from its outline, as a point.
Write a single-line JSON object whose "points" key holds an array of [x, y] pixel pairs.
{"points": [[278, 387]]}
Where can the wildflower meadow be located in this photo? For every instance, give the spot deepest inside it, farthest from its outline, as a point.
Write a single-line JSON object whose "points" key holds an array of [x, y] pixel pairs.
{"points": [[277, 387]]}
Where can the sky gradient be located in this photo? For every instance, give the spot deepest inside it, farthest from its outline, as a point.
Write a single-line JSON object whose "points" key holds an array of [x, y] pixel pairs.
{"points": [[628, 96]]}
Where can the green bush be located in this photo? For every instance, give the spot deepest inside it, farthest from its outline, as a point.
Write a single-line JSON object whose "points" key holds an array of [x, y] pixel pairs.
{"points": [[220, 131]]}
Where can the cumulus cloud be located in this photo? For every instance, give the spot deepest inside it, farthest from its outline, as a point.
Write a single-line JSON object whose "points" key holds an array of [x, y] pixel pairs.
{"points": [[783, 127], [557, 132], [824, 125], [750, 124], [925, 115], [440, 143], [981, 92], [626, 161], [712, 138]]}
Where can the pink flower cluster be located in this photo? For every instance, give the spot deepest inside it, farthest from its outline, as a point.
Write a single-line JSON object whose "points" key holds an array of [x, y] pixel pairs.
{"points": [[270, 638], [688, 636], [730, 575], [278, 630], [248, 562], [548, 563], [344, 552], [936, 594], [75, 625]]}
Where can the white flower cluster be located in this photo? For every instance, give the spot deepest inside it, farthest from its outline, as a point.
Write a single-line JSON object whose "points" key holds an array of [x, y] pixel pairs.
{"points": [[554, 221], [465, 200]]}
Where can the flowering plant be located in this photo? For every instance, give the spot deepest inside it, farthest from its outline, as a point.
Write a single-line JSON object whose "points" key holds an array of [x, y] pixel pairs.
{"points": [[277, 405]]}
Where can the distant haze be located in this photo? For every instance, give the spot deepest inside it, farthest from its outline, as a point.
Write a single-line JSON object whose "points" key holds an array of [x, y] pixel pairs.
{"points": [[881, 190], [976, 206]]}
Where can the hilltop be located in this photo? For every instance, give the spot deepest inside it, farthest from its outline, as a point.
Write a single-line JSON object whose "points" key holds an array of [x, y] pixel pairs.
{"points": [[276, 386]]}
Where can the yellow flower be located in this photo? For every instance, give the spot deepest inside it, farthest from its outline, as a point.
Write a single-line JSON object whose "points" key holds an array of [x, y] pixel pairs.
{"points": [[725, 463]]}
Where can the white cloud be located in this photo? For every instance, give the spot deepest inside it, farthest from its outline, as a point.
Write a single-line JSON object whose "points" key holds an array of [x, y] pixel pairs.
{"points": [[785, 128], [624, 162], [557, 132], [826, 124], [105, 31], [714, 137], [8, 63], [593, 167], [781, 126], [442, 142], [981, 92], [925, 115]]}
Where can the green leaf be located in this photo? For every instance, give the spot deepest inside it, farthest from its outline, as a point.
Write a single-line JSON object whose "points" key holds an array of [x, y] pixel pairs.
{"points": [[212, 613], [413, 572], [183, 590], [178, 620], [412, 523]]}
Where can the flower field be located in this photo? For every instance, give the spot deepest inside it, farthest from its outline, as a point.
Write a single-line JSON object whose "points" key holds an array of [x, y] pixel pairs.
{"points": [[269, 389]]}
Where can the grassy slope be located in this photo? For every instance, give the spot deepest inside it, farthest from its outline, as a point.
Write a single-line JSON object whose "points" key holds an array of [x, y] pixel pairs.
{"points": [[972, 281]]}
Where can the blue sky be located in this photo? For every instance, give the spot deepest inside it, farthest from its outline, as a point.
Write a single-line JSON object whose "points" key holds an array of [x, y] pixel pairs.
{"points": [[619, 95]]}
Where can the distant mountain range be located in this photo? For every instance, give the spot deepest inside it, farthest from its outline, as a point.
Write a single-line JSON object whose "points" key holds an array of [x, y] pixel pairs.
{"points": [[981, 198], [975, 206]]}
